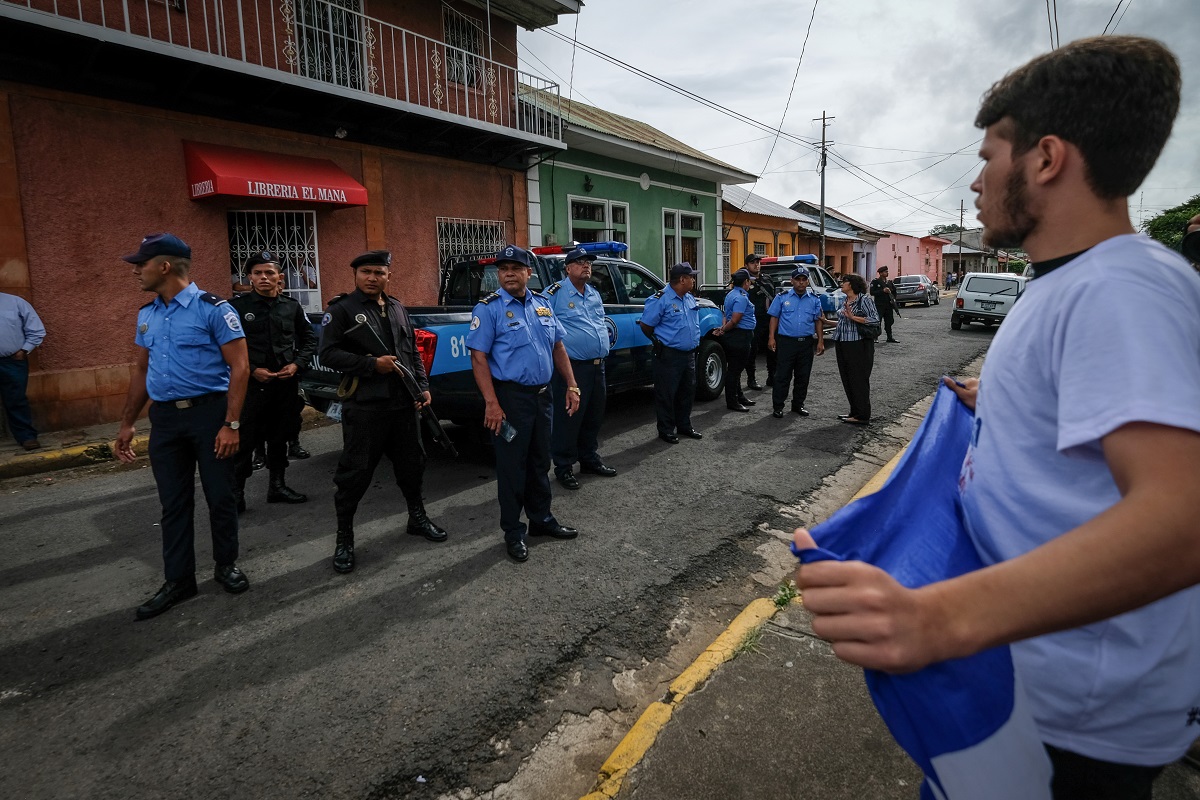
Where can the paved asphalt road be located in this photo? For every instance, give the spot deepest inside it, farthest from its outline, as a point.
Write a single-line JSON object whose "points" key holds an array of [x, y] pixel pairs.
{"points": [[437, 661]]}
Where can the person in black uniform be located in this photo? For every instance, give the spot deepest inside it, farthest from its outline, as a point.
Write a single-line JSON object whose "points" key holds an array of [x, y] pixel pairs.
{"points": [[192, 364], [761, 294], [281, 343], [883, 292], [369, 337]]}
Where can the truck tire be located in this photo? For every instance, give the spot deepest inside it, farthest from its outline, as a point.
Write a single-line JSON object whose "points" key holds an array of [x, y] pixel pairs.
{"points": [[955, 322], [710, 370]]}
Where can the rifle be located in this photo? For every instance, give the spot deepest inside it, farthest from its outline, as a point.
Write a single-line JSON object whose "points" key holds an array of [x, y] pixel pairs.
{"points": [[409, 381]]}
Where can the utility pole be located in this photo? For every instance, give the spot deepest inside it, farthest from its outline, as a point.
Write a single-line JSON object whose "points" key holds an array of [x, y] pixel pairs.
{"points": [[825, 120], [962, 211]]}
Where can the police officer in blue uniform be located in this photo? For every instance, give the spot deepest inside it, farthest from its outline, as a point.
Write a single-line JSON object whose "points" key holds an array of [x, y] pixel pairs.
{"points": [[795, 334], [281, 342], [192, 364], [579, 309], [516, 342], [737, 336], [672, 321], [368, 336]]}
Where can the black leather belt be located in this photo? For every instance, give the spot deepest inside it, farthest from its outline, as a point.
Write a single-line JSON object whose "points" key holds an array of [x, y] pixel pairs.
{"points": [[797, 338], [520, 387], [685, 352], [592, 361], [189, 402]]}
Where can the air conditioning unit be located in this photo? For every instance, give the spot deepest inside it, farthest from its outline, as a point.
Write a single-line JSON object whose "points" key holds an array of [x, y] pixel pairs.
{"points": [[550, 239]]}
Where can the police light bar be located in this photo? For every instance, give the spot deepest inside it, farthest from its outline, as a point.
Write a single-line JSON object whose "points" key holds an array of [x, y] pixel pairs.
{"points": [[804, 259], [617, 249]]}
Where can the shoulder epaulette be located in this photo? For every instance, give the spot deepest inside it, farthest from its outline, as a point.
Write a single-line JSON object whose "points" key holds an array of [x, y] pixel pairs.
{"points": [[490, 298], [553, 288], [337, 297], [535, 293], [147, 305], [659, 293], [213, 299]]}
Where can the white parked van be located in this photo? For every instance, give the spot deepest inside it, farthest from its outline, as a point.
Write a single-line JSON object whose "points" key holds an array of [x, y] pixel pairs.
{"points": [[986, 297]]}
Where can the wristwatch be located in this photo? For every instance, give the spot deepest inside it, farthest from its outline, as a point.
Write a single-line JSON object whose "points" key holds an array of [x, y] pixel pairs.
{"points": [[234, 425], [574, 389]]}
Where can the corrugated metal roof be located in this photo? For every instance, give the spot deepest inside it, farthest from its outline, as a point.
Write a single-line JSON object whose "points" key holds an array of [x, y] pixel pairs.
{"points": [[953, 250], [584, 116], [753, 204]]}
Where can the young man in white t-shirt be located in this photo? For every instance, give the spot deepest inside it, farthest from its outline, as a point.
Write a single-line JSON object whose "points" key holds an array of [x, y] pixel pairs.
{"points": [[1080, 486]]}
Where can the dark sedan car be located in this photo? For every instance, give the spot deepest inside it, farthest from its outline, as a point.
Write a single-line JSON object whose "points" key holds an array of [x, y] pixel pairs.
{"points": [[916, 289]]}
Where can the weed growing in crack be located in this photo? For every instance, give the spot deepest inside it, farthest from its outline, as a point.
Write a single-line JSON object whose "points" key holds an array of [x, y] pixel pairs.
{"points": [[749, 644], [785, 594]]}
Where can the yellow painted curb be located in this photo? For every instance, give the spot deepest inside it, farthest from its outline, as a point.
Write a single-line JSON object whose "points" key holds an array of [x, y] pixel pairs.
{"points": [[630, 750], [723, 648], [64, 458]]}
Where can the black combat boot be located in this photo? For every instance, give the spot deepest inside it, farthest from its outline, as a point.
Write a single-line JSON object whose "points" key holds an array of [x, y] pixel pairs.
{"points": [[343, 551], [419, 524], [278, 492]]}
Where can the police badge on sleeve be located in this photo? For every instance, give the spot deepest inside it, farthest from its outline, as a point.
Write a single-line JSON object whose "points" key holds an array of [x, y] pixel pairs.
{"points": [[231, 320]]}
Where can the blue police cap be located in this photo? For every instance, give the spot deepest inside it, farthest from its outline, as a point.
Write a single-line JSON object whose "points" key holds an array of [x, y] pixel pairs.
{"points": [[261, 257], [681, 269], [159, 244], [740, 277], [800, 272], [515, 254], [579, 254], [373, 258]]}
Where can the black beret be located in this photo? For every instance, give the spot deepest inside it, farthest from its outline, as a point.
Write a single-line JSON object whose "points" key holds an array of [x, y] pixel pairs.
{"points": [[261, 257], [374, 258]]}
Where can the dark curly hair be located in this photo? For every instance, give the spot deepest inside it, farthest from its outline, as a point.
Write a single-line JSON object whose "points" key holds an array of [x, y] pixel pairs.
{"points": [[857, 282], [1113, 97]]}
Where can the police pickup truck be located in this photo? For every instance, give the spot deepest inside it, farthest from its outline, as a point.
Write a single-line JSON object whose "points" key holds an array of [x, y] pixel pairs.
{"points": [[441, 332], [780, 269]]}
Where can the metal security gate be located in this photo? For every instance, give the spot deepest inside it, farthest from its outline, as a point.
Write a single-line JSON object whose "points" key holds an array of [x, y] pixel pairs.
{"points": [[289, 236], [457, 237]]}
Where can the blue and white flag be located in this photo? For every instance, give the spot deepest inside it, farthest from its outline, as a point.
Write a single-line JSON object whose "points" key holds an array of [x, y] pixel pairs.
{"points": [[966, 723]]}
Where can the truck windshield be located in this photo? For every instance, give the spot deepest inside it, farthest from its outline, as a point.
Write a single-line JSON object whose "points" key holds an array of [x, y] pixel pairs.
{"points": [[470, 283]]}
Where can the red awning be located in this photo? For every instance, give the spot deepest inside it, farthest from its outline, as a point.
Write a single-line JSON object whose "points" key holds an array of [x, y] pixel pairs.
{"points": [[216, 169]]}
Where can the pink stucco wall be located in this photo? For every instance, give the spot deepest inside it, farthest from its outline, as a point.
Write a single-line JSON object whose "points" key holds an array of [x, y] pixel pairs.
{"points": [[910, 255]]}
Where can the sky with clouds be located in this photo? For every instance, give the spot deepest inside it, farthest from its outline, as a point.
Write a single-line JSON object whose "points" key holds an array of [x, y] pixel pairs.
{"points": [[902, 78]]}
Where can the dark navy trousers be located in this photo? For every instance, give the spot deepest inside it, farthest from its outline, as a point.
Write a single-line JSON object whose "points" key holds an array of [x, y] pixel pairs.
{"points": [[674, 389], [182, 439], [14, 381], [522, 464], [577, 437], [793, 361]]}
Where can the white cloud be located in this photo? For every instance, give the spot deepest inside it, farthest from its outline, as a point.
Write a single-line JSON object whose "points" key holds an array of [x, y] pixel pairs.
{"points": [[895, 75]]}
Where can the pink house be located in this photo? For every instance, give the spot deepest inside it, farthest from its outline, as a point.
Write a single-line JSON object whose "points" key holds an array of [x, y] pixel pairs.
{"points": [[911, 255]]}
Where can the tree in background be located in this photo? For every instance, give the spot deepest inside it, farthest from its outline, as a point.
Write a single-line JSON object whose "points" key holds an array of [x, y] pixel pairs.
{"points": [[942, 230], [1168, 226]]}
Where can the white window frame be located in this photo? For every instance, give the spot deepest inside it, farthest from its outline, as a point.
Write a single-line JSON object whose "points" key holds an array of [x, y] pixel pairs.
{"points": [[679, 237], [608, 218], [309, 297], [725, 250]]}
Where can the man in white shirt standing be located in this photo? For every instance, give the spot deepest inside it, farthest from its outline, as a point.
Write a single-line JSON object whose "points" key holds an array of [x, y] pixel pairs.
{"points": [[1080, 484]]}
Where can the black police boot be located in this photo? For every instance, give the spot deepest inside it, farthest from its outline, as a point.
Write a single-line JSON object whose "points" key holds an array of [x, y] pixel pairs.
{"points": [[239, 495], [260, 458], [419, 524], [278, 492], [343, 550], [296, 451]]}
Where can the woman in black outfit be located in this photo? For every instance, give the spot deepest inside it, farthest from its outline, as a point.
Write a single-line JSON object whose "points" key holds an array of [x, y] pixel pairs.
{"points": [[855, 353]]}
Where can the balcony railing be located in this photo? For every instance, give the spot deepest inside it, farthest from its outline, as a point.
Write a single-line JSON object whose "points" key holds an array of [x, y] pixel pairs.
{"points": [[327, 44]]}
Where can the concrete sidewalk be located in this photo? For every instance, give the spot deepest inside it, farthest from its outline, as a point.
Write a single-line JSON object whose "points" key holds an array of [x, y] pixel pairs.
{"points": [[81, 447]]}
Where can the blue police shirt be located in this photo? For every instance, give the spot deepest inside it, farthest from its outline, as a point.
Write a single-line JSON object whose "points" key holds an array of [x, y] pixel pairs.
{"points": [[798, 313], [581, 314], [517, 335], [675, 319], [184, 338], [738, 300]]}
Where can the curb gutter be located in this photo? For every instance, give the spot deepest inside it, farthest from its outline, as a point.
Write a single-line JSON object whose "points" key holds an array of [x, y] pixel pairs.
{"points": [[80, 455], [631, 749]]}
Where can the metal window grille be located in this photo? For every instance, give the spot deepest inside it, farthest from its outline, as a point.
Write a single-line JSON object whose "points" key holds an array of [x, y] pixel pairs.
{"points": [[726, 247], [464, 46], [458, 237], [329, 41], [289, 236], [760, 248]]}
